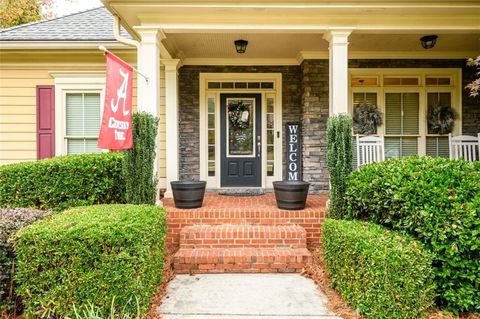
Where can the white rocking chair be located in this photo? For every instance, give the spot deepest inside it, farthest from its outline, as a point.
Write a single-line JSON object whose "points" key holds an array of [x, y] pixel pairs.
{"points": [[464, 146], [370, 149]]}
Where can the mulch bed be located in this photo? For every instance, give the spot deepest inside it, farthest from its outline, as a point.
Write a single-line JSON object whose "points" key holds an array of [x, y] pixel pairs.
{"points": [[168, 275], [316, 271]]}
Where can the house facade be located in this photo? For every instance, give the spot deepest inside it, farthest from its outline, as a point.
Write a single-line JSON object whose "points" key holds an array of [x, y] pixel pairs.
{"points": [[234, 119]]}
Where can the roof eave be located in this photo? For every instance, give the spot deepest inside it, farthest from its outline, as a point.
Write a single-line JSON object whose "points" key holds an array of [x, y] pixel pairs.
{"points": [[53, 45]]}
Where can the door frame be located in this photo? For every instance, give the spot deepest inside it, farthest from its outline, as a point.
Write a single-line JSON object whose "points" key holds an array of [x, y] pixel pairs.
{"points": [[214, 182]]}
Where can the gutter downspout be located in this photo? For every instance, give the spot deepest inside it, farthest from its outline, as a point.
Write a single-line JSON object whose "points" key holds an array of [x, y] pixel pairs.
{"points": [[118, 37]]}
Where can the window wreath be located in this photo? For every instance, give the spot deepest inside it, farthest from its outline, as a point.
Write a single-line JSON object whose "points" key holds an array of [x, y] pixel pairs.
{"points": [[366, 118], [238, 115], [441, 119]]}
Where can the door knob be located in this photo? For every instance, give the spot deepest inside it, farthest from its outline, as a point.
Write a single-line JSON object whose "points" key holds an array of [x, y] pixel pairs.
{"points": [[259, 149]]}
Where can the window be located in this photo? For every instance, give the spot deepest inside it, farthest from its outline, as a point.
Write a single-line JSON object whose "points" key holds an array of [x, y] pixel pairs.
{"points": [[405, 96], [211, 136], [82, 122], [401, 124]]}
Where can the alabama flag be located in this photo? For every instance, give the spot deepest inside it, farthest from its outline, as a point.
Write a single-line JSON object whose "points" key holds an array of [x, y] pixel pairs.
{"points": [[116, 129]]}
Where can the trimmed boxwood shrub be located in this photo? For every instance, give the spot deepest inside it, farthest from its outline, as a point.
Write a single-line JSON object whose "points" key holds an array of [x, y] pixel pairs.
{"points": [[90, 256], [11, 220], [339, 161], [139, 161], [438, 202], [63, 182], [379, 272]]}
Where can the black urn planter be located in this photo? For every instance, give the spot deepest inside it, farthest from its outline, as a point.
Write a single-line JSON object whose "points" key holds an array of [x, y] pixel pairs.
{"points": [[291, 195], [188, 193]]}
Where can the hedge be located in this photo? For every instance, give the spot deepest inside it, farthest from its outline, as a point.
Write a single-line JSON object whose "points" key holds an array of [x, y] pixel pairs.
{"points": [[11, 220], [379, 272], [438, 202], [90, 256], [63, 182]]}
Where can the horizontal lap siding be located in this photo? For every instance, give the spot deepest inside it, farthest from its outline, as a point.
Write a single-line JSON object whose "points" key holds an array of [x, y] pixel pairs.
{"points": [[18, 105]]}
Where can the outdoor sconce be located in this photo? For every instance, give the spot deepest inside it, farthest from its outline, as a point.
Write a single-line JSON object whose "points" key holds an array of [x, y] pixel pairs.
{"points": [[428, 41], [241, 45]]}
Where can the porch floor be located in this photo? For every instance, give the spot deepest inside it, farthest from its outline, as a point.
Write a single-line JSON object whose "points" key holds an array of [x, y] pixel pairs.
{"points": [[214, 202]]}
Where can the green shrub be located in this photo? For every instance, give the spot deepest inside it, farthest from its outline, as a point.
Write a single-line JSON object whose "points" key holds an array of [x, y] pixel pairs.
{"points": [[138, 164], [339, 160], [11, 220], [62, 182], [89, 256], [438, 202], [381, 273]]}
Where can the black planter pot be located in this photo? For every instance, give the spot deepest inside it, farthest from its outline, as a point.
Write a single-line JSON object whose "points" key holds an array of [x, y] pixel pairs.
{"points": [[291, 195], [188, 193]]}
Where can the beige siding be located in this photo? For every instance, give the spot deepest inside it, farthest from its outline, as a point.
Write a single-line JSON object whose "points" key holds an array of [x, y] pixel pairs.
{"points": [[20, 73]]}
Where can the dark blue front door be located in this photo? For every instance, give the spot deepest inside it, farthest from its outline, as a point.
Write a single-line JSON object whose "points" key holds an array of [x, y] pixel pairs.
{"points": [[241, 140]]}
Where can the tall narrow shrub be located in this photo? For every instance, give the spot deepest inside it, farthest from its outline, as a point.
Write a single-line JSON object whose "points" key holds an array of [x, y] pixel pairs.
{"points": [[139, 161], [339, 161]]}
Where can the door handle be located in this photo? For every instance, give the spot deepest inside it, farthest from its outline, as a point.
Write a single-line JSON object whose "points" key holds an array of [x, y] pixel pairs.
{"points": [[259, 149]]}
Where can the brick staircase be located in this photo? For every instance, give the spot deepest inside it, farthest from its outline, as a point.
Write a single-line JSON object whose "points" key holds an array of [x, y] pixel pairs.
{"points": [[241, 248]]}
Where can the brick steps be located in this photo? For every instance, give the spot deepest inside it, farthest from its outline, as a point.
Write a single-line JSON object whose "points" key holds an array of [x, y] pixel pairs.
{"points": [[244, 260], [243, 235], [241, 248]]}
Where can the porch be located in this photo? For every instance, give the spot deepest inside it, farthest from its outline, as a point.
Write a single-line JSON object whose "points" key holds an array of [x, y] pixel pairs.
{"points": [[303, 63]]}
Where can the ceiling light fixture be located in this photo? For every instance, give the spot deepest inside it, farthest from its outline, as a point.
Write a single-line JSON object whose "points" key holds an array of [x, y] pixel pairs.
{"points": [[241, 45], [428, 41]]}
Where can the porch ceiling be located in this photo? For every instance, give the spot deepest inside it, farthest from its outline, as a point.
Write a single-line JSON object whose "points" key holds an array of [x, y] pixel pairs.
{"points": [[288, 45], [199, 29]]}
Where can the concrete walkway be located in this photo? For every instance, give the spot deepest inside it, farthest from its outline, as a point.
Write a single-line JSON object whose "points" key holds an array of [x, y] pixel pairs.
{"points": [[244, 296]]}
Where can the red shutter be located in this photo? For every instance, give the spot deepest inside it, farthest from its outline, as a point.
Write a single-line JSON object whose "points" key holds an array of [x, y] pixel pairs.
{"points": [[45, 121]]}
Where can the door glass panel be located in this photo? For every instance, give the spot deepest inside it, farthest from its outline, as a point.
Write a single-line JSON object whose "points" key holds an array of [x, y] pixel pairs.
{"points": [[241, 127]]}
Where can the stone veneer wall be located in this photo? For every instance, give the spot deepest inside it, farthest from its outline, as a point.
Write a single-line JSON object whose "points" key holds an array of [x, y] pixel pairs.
{"points": [[189, 123], [470, 106], [314, 119]]}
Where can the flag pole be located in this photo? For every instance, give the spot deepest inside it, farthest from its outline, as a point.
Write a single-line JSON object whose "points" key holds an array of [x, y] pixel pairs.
{"points": [[104, 49]]}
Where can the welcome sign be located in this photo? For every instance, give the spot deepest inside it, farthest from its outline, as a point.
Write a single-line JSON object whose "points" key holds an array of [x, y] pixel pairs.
{"points": [[294, 148]]}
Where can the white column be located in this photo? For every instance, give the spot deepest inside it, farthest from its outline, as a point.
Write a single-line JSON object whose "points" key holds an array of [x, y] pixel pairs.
{"points": [[171, 121], [148, 92], [338, 69]]}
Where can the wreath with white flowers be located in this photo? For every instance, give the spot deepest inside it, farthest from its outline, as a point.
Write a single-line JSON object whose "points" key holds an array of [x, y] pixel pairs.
{"points": [[441, 119], [366, 118], [238, 115]]}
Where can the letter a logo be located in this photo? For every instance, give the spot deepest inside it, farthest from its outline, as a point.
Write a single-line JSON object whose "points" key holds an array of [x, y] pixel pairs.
{"points": [[121, 93]]}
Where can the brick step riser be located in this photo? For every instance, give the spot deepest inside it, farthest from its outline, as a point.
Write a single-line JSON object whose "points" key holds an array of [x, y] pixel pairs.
{"points": [[243, 236], [240, 261], [311, 222]]}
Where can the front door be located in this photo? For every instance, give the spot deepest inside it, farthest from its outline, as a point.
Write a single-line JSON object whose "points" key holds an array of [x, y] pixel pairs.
{"points": [[241, 140]]}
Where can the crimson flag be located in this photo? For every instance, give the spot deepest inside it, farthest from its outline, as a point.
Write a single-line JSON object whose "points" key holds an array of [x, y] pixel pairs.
{"points": [[116, 129]]}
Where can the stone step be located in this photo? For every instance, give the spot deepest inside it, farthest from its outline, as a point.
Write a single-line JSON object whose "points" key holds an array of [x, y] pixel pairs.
{"points": [[240, 260], [243, 235]]}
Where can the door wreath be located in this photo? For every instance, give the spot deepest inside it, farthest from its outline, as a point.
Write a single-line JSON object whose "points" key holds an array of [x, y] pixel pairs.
{"points": [[441, 119], [238, 115]]}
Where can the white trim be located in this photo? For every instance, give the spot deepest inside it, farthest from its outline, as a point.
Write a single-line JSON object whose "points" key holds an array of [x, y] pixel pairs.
{"points": [[240, 61], [205, 93], [73, 82]]}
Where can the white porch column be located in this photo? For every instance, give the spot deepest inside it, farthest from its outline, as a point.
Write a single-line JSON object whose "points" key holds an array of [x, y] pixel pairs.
{"points": [[338, 69], [171, 121], [148, 92]]}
